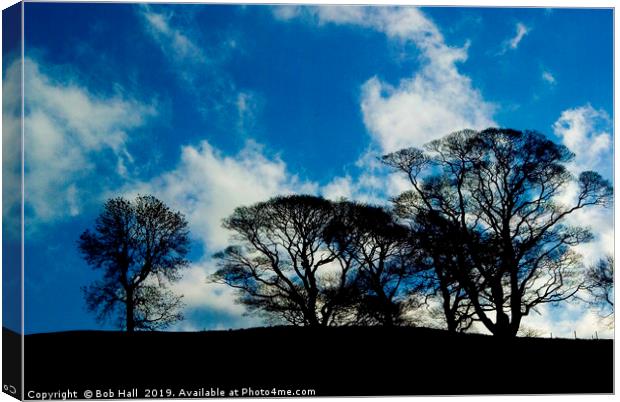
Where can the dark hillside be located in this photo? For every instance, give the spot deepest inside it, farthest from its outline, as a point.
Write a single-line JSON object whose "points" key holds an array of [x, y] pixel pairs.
{"points": [[332, 361]]}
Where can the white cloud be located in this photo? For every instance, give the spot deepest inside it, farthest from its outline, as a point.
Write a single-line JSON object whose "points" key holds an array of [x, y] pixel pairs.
{"points": [[600, 222], [173, 41], [548, 77], [11, 144], [513, 43], [339, 187], [68, 130], [586, 132], [207, 186], [198, 294], [368, 187], [423, 108], [287, 12], [561, 321], [373, 185], [521, 31], [564, 321], [247, 104]]}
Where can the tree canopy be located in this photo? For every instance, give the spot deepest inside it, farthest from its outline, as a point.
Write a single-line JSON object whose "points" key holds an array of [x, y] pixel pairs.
{"points": [[498, 192], [280, 259], [314, 262]]}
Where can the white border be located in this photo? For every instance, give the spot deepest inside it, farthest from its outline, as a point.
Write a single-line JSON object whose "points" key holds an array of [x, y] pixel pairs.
{"points": [[479, 3]]}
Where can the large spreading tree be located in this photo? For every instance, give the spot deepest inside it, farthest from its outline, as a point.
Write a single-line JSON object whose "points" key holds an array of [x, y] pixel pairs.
{"points": [[140, 245], [505, 195]]}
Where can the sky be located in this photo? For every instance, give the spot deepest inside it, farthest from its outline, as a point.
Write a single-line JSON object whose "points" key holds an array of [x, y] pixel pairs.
{"points": [[210, 107]]}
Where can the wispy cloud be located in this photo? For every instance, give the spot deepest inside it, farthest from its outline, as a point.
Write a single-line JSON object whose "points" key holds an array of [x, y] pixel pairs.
{"points": [[172, 40], [184, 54], [199, 65], [548, 77], [248, 104], [513, 43], [522, 30]]}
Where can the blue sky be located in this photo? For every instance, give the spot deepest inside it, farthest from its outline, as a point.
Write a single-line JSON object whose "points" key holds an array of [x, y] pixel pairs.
{"points": [[211, 107]]}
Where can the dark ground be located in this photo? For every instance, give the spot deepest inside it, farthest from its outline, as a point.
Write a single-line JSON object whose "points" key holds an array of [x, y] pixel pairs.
{"points": [[333, 361], [11, 363]]}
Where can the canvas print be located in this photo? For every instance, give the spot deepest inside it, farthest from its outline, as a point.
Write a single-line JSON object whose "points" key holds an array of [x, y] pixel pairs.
{"points": [[234, 200]]}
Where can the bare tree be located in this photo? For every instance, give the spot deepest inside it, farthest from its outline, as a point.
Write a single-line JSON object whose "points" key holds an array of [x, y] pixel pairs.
{"points": [[384, 253], [282, 265], [141, 246], [499, 189], [599, 284], [439, 261]]}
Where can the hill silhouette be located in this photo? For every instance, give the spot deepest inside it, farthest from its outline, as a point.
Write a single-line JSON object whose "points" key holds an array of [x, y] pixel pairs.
{"points": [[353, 361]]}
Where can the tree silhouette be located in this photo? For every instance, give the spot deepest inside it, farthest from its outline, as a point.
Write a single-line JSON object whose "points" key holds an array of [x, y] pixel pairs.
{"points": [[141, 246], [499, 190], [283, 267], [439, 248], [599, 283], [383, 252]]}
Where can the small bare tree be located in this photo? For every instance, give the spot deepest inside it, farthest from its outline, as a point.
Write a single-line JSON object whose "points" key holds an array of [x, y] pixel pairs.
{"points": [[141, 246]]}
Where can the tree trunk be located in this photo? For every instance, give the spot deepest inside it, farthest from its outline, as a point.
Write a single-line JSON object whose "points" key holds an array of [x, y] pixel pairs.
{"points": [[310, 314], [314, 322], [386, 305], [515, 324], [447, 306], [130, 319], [502, 328], [515, 299]]}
